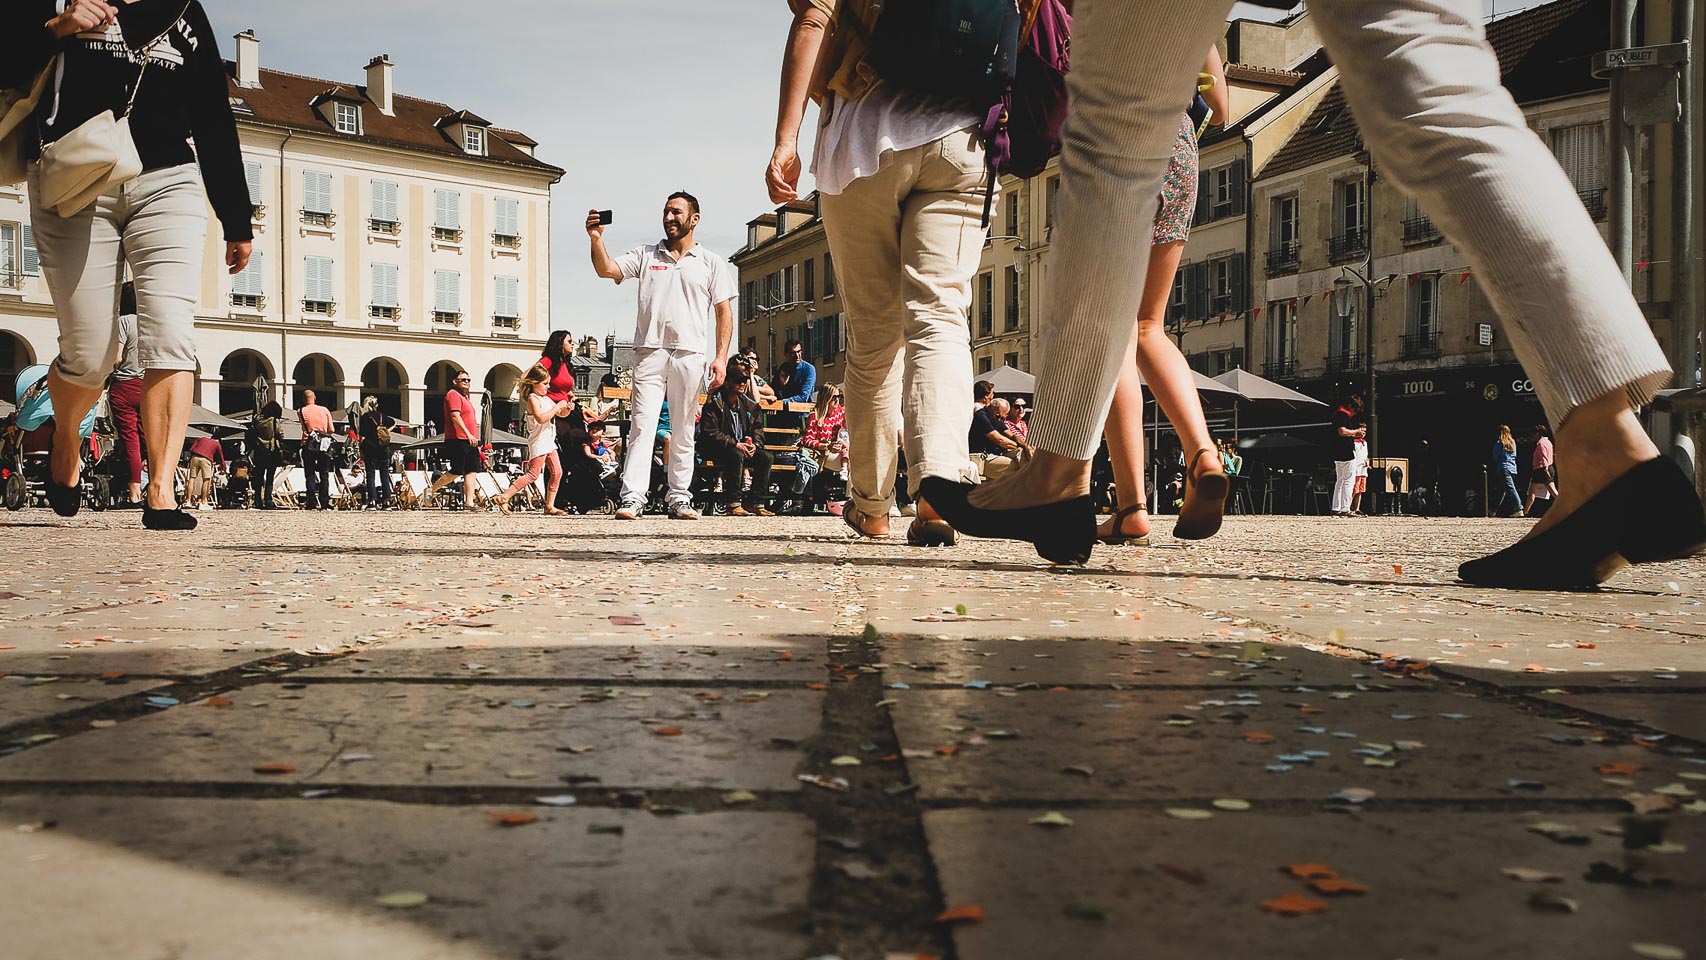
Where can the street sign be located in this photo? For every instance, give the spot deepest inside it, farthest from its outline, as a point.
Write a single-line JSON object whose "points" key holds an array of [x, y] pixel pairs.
{"points": [[1484, 334], [1630, 58]]}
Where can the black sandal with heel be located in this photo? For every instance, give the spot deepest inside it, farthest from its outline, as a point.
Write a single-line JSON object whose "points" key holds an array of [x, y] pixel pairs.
{"points": [[1119, 537], [1199, 517], [1063, 532]]}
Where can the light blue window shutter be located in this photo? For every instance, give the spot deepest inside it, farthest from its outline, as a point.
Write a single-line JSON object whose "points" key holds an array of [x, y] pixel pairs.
{"points": [[318, 278], [316, 191], [508, 217], [248, 282], [385, 285], [385, 201], [252, 173], [447, 285], [32, 259], [447, 204], [507, 297]]}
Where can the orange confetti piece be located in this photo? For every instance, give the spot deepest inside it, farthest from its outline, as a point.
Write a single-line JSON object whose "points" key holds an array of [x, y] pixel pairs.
{"points": [[1534, 668], [114, 675], [1587, 646], [1311, 871], [1259, 737], [708, 697], [817, 686], [1294, 905], [512, 819], [787, 655], [965, 914], [1334, 887], [948, 750], [1397, 569], [667, 731], [1310, 710], [275, 768], [1620, 769], [217, 702]]}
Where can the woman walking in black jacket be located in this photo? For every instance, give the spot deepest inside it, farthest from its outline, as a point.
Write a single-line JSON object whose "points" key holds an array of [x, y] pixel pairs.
{"points": [[160, 58]]}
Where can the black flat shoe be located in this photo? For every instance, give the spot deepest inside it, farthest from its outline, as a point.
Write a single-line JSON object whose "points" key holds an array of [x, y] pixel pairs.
{"points": [[175, 519], [1649, 515], [63, 499], [1063, 532]]}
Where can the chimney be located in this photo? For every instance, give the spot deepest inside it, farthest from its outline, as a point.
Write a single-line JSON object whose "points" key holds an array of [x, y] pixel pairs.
{"points": [[248, 60], [379, 89]]}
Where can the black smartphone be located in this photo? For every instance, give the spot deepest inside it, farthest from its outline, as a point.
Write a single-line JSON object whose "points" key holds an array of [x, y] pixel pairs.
{"points": [[605, 217]]}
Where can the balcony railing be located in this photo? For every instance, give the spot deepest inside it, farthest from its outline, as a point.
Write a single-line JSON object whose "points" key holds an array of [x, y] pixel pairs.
{"points": [[446, 318], [1344, 362], [506, 323], [323, 308], [379, 312], [1420, 230], [1424, 344], [1285, 369], [1349, 245], [1285, 258], [1594, 200], [388, 227], [447, 234], [250, 301], [319, 218], [510, 241]]}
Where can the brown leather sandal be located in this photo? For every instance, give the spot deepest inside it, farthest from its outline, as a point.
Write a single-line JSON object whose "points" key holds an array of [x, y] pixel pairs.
{"points": [[1119, 537], [1205, 501], [854, 517]]}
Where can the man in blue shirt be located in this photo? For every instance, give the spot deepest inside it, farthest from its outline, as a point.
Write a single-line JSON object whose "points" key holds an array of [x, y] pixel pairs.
{"points": [[795, 379]]}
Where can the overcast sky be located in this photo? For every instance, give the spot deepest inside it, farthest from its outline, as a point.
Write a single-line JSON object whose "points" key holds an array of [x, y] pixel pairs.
{"points": [[633, 100]]}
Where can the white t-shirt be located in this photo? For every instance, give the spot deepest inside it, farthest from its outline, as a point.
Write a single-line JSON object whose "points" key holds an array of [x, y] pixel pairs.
{"points": [[541, 437], [885, 120], [677, 297]]}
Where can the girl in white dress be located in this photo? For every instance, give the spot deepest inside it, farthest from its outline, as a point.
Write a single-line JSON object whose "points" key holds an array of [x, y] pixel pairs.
{"points": [[542, 414]]}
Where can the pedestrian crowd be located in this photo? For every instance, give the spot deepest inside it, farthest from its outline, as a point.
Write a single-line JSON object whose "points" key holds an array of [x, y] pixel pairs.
{"points": [[915, 124]]}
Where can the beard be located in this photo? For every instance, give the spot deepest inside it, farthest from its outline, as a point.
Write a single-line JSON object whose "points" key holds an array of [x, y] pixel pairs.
{"points": [[673, 229]]}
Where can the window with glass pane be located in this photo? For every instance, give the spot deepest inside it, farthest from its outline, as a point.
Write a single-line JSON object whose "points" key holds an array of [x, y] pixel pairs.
{"points": [[828, 276], [1012, 277], [1424, 306], [348, 117], [1282, 337], [986, 304]]}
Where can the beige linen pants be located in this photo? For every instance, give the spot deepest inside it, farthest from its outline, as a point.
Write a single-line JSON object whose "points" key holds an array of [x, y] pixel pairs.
{"points": [[906, 242], [1424, 86]]}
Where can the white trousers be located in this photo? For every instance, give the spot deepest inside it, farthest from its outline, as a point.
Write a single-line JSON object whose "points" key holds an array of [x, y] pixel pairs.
{"points": [[1424, 86], [1344, 485], [660, 375]]}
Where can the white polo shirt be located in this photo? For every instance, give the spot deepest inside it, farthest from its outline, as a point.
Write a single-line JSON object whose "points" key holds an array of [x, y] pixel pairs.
{"points": [[677, 297]]}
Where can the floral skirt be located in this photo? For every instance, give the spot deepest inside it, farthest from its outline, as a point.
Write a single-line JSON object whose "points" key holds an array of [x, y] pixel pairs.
{"points": [[1178, 202]]}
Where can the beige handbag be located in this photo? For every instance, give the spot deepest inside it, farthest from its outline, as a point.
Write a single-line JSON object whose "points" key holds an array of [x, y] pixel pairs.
{"points": [[97, 156], [16, 106]]}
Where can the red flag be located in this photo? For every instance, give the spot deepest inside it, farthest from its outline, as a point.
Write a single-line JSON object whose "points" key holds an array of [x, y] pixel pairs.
{"points": [[1256, 314], [1414, 277], [1644, 264], [1463, 279]]}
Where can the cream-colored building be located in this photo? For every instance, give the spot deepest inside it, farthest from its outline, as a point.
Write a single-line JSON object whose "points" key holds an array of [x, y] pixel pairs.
{"points": [[788, 290], [396, 240]]}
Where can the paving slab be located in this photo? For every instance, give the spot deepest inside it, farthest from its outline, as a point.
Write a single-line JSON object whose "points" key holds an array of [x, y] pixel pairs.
{"points": [[25, 699], [731, 885], [1680, 714], [770, 659], [1138, 663], [1152, 746], [430, 735], [156, 655], [1434, 886]]}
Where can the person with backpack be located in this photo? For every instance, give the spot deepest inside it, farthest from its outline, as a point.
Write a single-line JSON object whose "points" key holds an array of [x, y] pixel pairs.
{"points": [[264, 440], [373, 427], [905, 179]]}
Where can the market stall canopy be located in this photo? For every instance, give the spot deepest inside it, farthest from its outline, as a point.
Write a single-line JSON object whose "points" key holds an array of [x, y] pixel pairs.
{"points": [[200, 416], [1258, 389], [1010, 380]]}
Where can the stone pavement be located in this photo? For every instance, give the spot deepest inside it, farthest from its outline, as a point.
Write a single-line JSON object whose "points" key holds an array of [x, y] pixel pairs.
{"points": [[458, 736]]}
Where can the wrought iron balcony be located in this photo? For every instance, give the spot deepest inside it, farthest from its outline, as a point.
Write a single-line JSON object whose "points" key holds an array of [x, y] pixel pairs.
{"points": [[1420, 230], [1344, 362], [1349, 245], [1594, 200], [1422, 344], [1283, 369], [1285, 258]]}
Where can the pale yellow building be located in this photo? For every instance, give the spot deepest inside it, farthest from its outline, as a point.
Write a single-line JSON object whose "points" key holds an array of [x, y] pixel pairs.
{"points": [[396, 240], [788, 291]]}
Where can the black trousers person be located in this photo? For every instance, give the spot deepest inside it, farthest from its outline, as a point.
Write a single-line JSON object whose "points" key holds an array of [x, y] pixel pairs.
{"points": [[731, 462], [318, 467]]}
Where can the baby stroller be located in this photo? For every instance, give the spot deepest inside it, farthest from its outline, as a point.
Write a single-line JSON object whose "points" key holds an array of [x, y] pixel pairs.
{"points": [[584, 488], [26, 445]]}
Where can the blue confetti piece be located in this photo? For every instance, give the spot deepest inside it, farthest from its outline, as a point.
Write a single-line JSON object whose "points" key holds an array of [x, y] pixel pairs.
{"points": [[1455, 716], [900, 686], [1316, 753], [1311, 729], [1701, 761], [1279, 768], [163, 701], [1403, 716], [521, 704], [1292, 758], [1369, 752], [977, 684], [1344, 735]]}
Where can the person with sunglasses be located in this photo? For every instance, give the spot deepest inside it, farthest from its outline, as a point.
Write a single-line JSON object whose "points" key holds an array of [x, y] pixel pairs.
{"points": [[461, 440]]}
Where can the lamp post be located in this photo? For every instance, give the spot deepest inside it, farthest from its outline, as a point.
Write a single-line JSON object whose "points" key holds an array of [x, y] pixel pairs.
{"points": [[1369, 284]]}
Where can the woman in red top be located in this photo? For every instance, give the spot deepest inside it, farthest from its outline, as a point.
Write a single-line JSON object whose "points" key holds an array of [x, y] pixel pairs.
{"points": [[557, 361]]}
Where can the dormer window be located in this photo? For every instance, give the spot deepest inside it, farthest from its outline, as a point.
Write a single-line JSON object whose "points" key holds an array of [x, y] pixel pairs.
{"points": [[347, 118], [474, 140]]}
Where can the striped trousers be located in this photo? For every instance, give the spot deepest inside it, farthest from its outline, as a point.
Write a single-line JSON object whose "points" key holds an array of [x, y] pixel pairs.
{"points": [[1424, 86]]}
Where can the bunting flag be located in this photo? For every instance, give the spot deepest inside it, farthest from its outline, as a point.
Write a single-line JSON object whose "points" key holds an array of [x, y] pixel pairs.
{"points": [[1255, 314], [1415, 277], [1644, 264], [1306, 299], [1464, 278]]}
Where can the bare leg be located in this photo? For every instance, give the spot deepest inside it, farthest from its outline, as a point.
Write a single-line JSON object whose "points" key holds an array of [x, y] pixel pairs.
{"points": [[71, 404], [1164, 367], [1125, 448], [165, 416]]}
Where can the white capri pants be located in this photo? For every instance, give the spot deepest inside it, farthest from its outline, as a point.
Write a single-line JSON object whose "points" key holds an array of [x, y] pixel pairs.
{"points": [[1424, 86], [157, 223]]}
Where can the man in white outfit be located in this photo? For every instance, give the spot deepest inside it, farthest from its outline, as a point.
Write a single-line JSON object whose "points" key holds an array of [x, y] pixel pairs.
{"points": [[682, 285]]}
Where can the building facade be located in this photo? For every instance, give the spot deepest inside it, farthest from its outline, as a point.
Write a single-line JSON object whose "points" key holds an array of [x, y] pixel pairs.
{"points": [[788, 291], [397, 241]]}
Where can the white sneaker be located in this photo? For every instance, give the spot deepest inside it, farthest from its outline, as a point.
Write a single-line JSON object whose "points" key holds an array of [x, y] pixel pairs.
{"points": [[629, 511], [683, 511], [205, 506]]}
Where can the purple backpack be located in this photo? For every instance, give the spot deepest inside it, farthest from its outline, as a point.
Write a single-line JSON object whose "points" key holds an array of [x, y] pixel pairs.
{"points": [[1022, 130]]}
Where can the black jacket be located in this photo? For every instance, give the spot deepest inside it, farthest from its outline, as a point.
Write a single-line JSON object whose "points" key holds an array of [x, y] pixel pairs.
{"points": [[184, 95], [717, 422]]}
